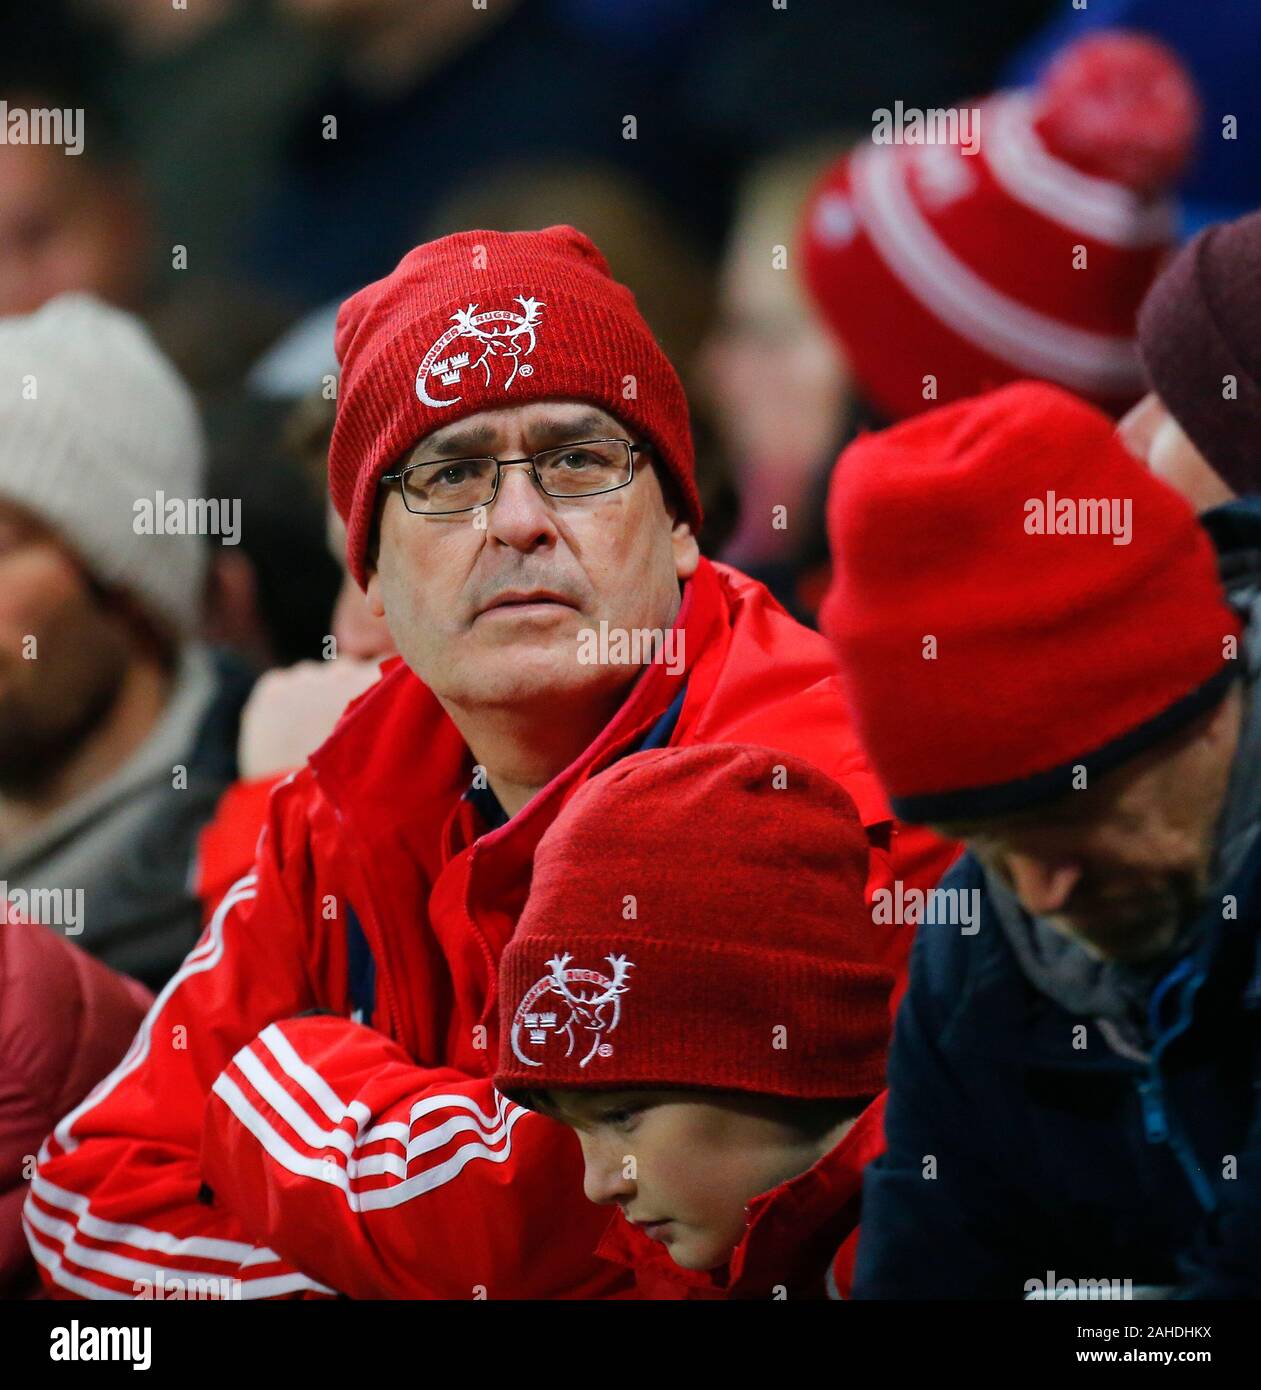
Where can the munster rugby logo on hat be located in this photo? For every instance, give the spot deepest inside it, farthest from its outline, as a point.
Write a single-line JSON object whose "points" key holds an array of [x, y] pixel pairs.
{"points": [[502, 337], [581, 1016]]}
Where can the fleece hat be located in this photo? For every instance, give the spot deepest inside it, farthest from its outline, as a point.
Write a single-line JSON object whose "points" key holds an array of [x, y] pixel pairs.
{"points": [[93, 420], [483, 320], [697, 919], [1023, 248], [1199, 331], [1014, 596]]}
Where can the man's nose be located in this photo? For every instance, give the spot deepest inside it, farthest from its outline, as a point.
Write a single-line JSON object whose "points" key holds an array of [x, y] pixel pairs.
{"points": [[520, 515], [605, 1180], [1042, 886]]}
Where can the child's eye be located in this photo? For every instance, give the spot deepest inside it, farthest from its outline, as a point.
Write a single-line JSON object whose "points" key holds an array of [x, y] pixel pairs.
{"points": [[619, 1119]]}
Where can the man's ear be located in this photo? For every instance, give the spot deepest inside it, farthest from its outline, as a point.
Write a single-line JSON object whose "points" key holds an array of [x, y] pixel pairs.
{"points": [[687, 550], [376, 604]]}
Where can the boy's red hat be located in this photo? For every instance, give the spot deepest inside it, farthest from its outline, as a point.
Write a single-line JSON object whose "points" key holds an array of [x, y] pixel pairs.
{"points": [[697, 919]]}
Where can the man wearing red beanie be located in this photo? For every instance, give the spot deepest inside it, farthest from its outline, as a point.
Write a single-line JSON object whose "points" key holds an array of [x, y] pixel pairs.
{"points": [[513, 461], [701, 999], [1044, 663], [1199, 331]]}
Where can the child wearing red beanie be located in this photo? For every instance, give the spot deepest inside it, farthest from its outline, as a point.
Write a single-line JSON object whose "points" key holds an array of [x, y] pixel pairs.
{"points": [[694, 987]]}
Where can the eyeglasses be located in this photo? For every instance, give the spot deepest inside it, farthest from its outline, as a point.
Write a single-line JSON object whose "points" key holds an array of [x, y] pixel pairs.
{"points": [[572, 470]]}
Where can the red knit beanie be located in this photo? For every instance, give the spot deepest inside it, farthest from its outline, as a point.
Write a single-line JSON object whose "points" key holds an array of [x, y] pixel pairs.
{"points": [[931, 262], [1199, 331], [697, 919], [994, 633], [483, 320]]}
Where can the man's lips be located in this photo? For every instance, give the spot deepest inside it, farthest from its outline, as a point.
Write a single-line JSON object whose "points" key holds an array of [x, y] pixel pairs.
{"points": [[526, 598]]}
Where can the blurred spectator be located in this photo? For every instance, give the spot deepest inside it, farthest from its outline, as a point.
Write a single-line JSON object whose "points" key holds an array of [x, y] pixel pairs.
{"points": [[96, 221], [292, 711], [65, 1022], [1021, 248], [1199, 331], [1079, 1056], [771, 379], [270, 596], [69, 222], [117, 728]]}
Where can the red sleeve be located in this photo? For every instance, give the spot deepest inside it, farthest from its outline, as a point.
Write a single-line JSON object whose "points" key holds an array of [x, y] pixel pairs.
{"points": [[301, 1155], [391, 1180], [228, 843], [114, 1204], [65, 1020]]}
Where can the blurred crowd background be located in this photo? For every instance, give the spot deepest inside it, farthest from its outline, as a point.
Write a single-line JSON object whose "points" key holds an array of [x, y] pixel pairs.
{"points": [[248, 163]]}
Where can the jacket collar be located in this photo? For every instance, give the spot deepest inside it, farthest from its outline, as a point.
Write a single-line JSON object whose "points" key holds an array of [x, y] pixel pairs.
{"points": [[792, 1232], [396, 749]]}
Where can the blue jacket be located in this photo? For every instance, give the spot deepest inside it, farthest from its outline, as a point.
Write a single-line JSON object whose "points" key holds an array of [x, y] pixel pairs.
{"points": [[1022, 1144]]}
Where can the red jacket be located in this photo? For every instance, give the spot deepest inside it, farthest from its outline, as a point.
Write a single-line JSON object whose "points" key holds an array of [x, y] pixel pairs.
{"points": [[799, 1242], [65, 1021], [245, 1137]]}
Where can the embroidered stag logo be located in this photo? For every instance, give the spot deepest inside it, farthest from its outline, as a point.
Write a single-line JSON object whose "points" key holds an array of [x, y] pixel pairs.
{"points": [[501, 335], [590, 1014]]}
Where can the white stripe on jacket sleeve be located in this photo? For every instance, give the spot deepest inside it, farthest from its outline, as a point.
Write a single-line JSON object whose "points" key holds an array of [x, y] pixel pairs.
{"points": [[54, 1239], [266, 1095]]}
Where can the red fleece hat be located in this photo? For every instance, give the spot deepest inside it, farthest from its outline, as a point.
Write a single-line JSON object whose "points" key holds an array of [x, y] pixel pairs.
{"points": [[926, 260], [483, 320], [987, 653], [697, 919]]}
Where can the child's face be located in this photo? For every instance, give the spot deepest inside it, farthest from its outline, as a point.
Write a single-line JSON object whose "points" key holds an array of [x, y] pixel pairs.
{"points": [[685, 1168]]}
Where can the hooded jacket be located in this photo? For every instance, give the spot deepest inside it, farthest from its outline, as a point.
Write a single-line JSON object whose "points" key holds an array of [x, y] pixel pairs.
{"points": [[308, 1107], [1092, 1120]]}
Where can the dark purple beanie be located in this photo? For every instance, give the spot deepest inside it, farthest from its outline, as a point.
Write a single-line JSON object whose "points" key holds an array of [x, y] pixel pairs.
{"points": [[1201, 324]]}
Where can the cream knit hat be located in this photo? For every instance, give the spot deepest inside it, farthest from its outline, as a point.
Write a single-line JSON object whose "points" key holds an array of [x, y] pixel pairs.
{"points": [[93, 420]]}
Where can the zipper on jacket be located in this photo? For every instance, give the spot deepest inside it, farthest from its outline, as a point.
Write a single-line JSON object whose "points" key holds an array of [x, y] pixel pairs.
{"points": [[1159, 1123]]}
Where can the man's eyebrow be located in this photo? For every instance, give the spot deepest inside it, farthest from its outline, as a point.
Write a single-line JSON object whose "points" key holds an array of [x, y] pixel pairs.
{"points": [[591, 424], [462, 440], [457, 440]]}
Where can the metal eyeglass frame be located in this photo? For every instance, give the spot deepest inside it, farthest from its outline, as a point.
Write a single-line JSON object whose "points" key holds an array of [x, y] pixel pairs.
{"points": [[501, 464]]}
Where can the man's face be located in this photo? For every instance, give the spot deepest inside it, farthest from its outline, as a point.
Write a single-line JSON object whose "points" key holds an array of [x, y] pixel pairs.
{"points": [[63, 653], [1151, 434], [683, 1168], [1122, 866], [568, 564]]}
